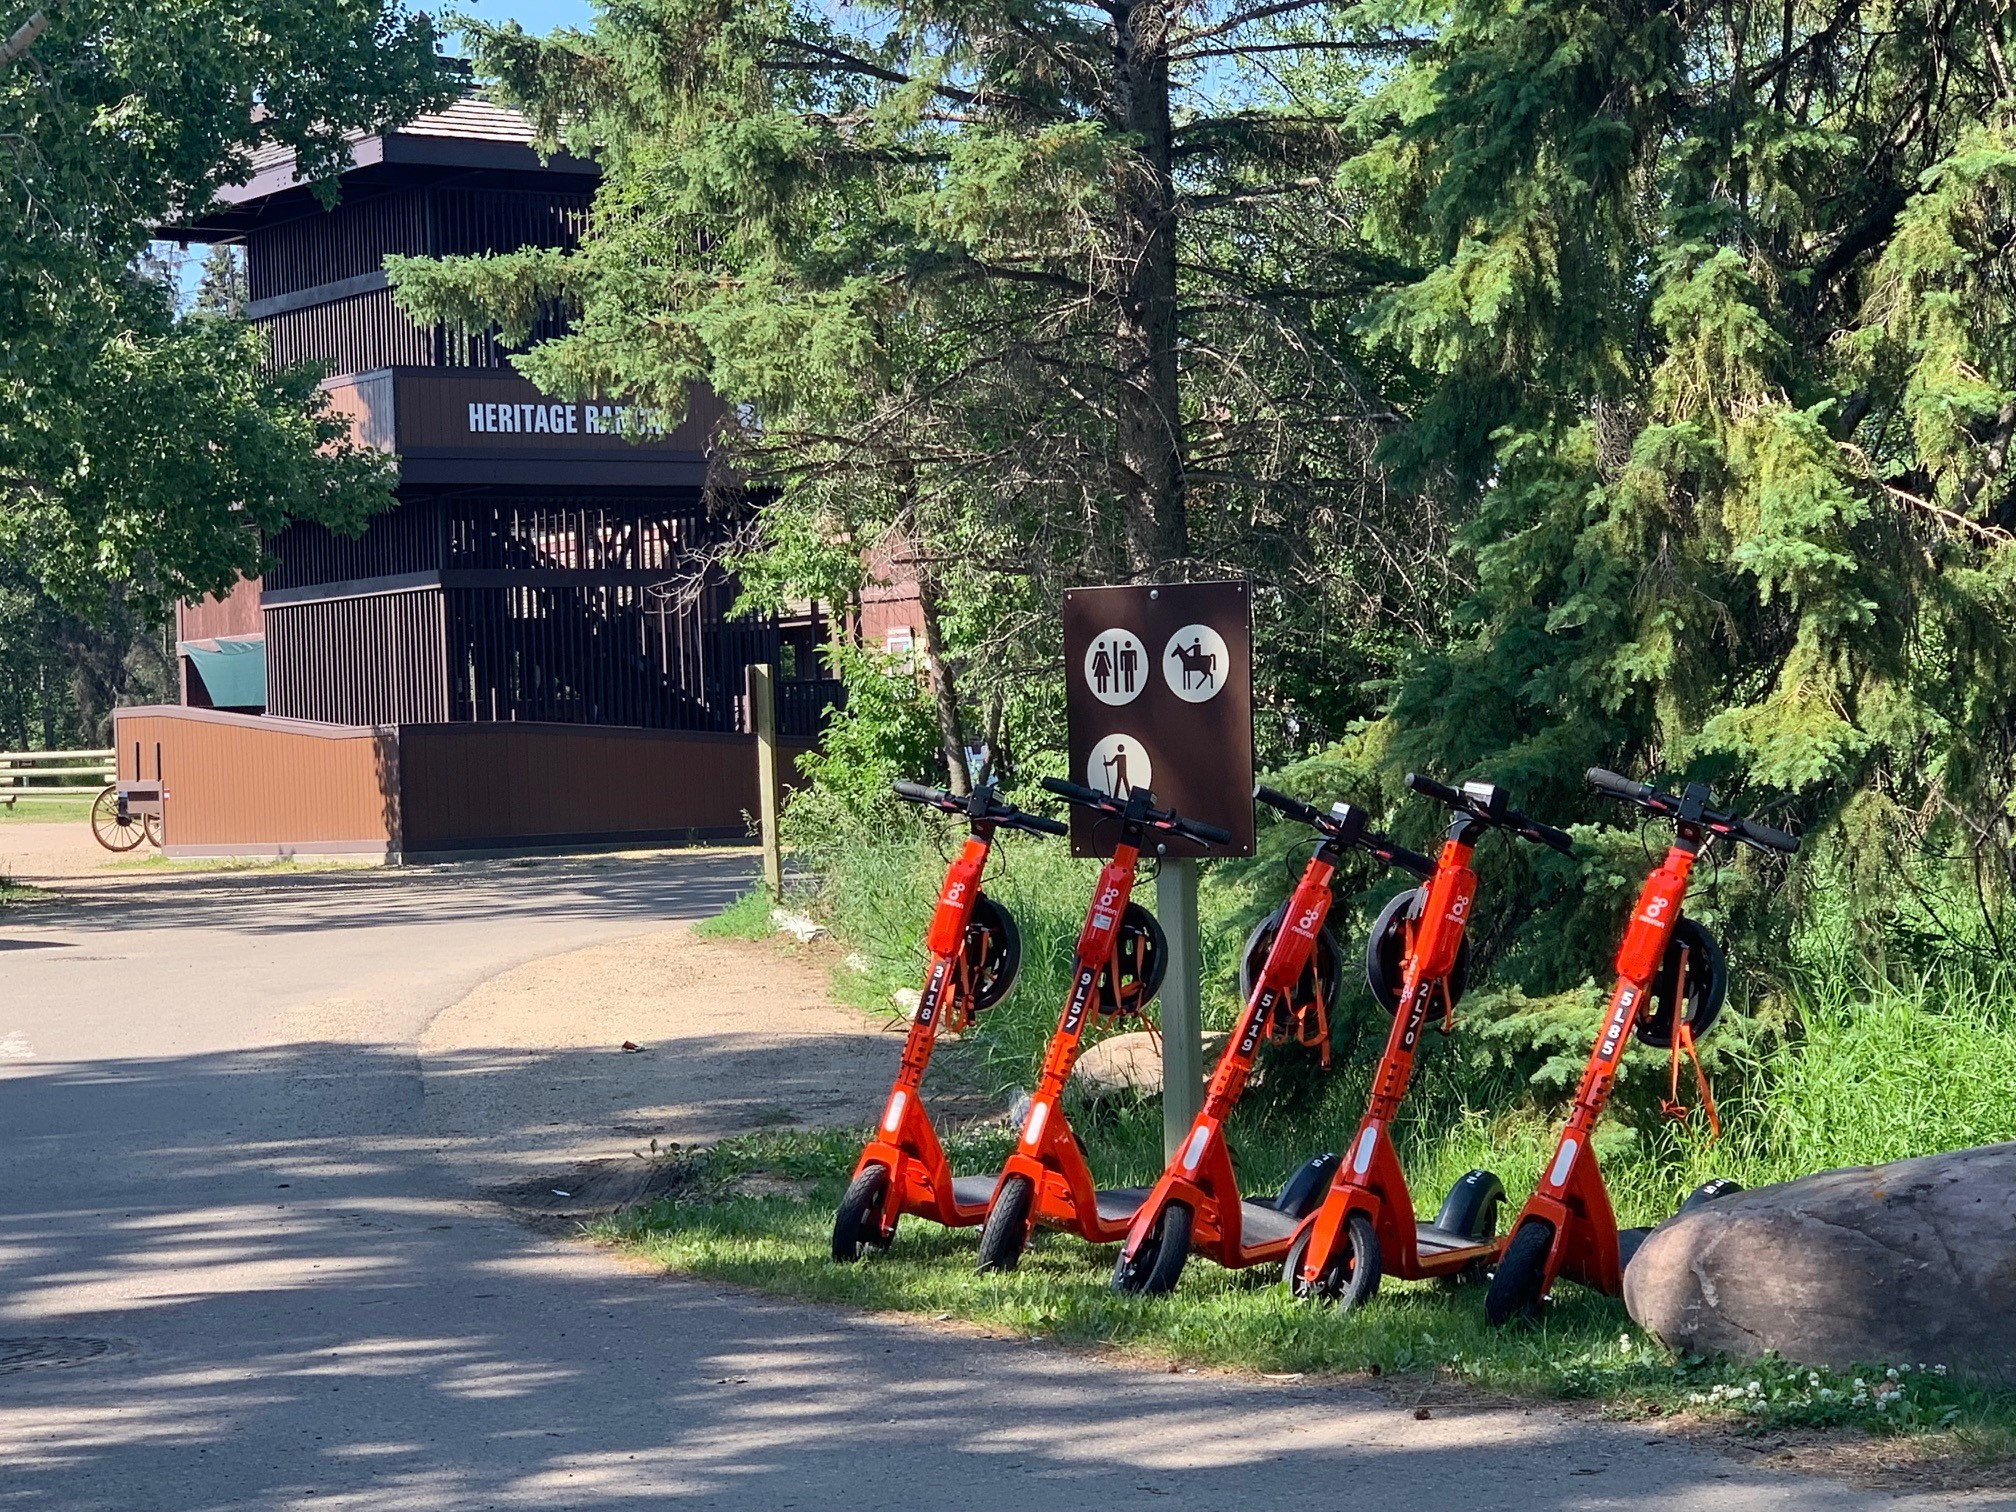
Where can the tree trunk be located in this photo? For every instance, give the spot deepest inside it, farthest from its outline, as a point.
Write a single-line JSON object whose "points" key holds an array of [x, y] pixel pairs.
{"points": [[1149, 439], [944, 695]]}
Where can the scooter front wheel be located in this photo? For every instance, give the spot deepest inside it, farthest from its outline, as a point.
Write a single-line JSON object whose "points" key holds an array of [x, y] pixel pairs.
{"points": [[1006, 1232], [1521, 1278], [1157, 1266], [1351, 1278], [859, 1219]]}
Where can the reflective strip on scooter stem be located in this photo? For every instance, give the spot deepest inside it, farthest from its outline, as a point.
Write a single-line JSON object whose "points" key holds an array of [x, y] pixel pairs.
{"points": [[1362, 1157], [1195, 1153], [893, 1119], [1033, 1130], [1561, 1163]]}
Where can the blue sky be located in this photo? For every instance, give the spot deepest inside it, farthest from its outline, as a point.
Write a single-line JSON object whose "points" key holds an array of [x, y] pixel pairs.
{"points": [[533, 15]]}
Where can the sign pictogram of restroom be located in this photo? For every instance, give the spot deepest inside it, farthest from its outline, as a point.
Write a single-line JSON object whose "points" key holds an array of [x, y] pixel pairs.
{"points": [[1160, 696]]}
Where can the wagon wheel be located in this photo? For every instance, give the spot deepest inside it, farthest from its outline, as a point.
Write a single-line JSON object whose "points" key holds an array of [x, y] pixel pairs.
{"points": [[154, 822], [109, 830]]}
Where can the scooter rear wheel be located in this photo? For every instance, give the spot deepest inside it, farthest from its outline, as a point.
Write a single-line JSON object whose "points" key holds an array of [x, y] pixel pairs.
{"points": [[1006, 1232], [859, 1219], [1522, 1273], [1711, 1190], [1157, 1266], [1351, 1279]]}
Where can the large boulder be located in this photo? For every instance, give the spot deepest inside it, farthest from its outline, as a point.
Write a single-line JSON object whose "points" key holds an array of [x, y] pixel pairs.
{"points": [[1131, 1063], [1914, 1261]]}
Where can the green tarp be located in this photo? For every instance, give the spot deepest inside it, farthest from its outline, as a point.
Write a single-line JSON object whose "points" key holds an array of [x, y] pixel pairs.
{"points": [[233, 671]]}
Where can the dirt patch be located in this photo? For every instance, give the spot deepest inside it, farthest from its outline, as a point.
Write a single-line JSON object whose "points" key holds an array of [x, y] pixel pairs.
{"points": [[529, 1072]]}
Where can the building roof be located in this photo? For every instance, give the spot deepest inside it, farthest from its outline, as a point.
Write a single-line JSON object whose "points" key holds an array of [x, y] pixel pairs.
{"points": [[471, 135]]}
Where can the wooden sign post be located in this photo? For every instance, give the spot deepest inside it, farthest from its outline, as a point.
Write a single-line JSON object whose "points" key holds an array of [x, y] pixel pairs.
{"points": [[763, 717], [1160, 696]]}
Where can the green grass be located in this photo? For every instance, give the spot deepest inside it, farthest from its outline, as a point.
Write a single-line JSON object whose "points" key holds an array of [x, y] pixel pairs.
{"points": [[1860, 1068], [49, 811], [747, 918], [1586, 1349]]}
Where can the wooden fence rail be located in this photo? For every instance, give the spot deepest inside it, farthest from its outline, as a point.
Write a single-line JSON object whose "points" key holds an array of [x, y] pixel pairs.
{"points": [[41, 776]]}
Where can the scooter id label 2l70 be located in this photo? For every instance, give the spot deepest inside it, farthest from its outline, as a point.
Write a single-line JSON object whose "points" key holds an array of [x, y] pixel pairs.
{"points": [[1669, 988], [1196, 1204], [975, 951]]}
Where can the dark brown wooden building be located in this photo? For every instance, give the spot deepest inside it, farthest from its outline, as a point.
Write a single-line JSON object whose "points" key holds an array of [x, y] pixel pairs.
{"points": [[539, 569]]}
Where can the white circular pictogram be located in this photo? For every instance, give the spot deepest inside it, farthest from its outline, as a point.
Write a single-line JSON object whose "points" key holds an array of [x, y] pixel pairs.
{"points": [[1195, 662], [1118, 765], [1116, 666]]}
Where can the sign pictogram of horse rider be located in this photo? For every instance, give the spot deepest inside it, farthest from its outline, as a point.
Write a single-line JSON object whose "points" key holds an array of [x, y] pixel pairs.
{"points": [[1193, 663]]}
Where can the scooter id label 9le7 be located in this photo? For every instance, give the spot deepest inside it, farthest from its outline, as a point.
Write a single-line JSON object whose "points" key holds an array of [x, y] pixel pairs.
{"points": [[1669, 987], [975, 951], [1196, 1204], [1046, 1179], [1366, 1226]]}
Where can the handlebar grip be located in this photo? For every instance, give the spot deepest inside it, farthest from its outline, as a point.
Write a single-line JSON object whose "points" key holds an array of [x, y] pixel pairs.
{"points": [[1611, 785], [1765, 837], [1428, 787], [917, 792], [1294, 808], [1041, 825], [1208, 834], [1071, 792]]}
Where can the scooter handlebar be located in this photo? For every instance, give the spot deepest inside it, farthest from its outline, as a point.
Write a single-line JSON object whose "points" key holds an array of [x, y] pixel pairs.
{"points": [[1004, 814], [917, 792], [1376, 845], [1732, 826], [1494, 813], [1167, 820]]}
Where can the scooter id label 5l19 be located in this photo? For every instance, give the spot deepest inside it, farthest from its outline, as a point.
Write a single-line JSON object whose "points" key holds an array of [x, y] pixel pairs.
{"points": [[1669, 989], [1196, 1205], [975, 951]]}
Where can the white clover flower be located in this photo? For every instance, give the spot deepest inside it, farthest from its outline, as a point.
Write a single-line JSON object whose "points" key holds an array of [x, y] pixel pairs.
{"points": [[1891, 1373], [1860, 1384]]}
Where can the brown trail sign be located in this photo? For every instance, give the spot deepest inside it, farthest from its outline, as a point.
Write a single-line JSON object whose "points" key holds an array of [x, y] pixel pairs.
{"points": [[1160, 696], [1160, 682]]}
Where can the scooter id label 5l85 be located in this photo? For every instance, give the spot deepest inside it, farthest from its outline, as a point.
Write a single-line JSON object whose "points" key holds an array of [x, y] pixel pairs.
{"points": [[975, 951]]}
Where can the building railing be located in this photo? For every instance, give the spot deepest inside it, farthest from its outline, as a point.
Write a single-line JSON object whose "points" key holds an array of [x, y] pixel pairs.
{"points": [[42, 776]]}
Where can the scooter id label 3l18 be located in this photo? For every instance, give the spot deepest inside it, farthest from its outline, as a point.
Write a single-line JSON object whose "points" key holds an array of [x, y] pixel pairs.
{"points": [[975, 951], [1669, 988]]}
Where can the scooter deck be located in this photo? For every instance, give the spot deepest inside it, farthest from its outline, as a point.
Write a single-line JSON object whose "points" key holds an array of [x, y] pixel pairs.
{"points": [[1262, 1223], [1431, 1241], [973, 1191], [1120, 1204]]}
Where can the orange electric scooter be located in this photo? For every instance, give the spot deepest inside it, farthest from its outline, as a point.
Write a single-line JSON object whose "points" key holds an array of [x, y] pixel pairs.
{"points": [[1196, 1205], [1416, 959], [1046, 1179], [1566, 1227], [975, 951]]}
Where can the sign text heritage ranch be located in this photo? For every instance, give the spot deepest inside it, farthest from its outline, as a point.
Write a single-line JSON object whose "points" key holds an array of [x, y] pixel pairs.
{"points": [[566, 420]]}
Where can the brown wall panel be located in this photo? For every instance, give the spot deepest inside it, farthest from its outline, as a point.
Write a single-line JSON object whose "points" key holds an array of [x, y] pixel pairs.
{"points": [[481, 784], [237, 613], [241, 782]]}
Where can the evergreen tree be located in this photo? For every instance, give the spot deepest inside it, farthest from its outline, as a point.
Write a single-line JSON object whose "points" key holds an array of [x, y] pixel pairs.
{"points": [[1717, 303], [1022, 294]]}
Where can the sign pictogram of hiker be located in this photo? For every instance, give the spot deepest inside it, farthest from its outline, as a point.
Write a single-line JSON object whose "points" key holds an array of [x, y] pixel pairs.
{"points": [[1118, 765], [1193, 663]]}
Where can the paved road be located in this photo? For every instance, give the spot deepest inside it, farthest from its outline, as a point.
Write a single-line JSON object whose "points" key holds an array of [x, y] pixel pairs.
{"points": [[220, 1183]]}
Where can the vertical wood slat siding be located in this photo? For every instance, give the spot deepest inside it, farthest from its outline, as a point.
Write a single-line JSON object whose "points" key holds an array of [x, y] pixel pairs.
{"points": [[261, 784], [372, 660], [241, 781], [480, 785]]}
